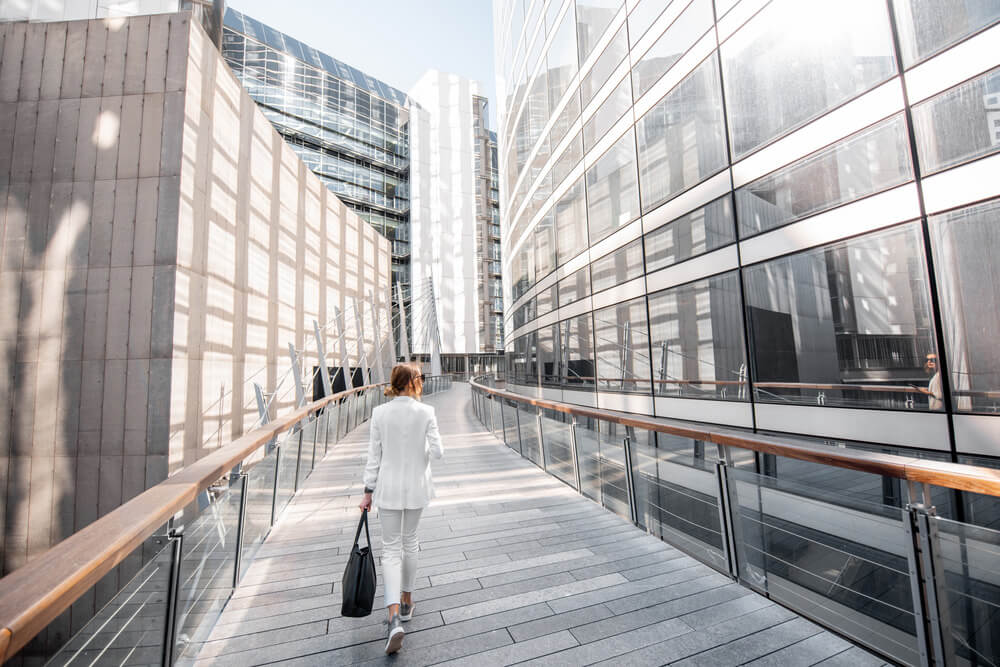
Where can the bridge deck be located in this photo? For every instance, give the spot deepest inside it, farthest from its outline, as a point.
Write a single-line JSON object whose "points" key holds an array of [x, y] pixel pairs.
{"points": [[515, 566]]}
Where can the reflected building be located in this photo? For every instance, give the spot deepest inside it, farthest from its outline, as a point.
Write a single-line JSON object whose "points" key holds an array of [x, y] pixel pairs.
{"points": [[771, 217]]}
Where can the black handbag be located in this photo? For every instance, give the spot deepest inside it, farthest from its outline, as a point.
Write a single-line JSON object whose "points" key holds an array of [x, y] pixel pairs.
{"points": [[358, 584]]}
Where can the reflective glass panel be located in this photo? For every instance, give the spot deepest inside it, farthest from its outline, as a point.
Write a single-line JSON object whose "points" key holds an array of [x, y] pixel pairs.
{"points": [[545, 246], [612, 189], [617, 267], [571, 223], [696, 332], [681, 140], [557, 445], [960, 124], [569, 158], [644, 15], [966, 244], [528, 421], [682, 34], [588, 453], [847, 324], [611, 109], [574, 286], [928, 26], [795, 60], [614, 480], [606, 64], [870, 161], [577, 351], [549, 355], [621, 334], [592, 18], [702, 230]]}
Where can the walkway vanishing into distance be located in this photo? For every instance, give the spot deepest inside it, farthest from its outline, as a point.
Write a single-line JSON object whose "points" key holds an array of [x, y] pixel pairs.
{"points": [[515, 567]]}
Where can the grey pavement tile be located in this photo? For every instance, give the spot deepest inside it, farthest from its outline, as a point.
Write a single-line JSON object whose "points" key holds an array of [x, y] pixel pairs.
{"points": [[556, 622], [814, 649], [617, 645], [253, 642], [747, 648], [853, 657], [564, 558], [455, 649], [658, 595], [521, 651], [666, 580]]}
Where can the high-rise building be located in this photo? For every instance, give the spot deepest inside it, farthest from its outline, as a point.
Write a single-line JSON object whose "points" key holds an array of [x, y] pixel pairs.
{"points": [[348, 127], [777, 217], [457, 302]]}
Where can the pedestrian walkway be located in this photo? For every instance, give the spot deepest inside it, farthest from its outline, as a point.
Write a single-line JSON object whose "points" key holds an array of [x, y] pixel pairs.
{"points": [[514, 567]]}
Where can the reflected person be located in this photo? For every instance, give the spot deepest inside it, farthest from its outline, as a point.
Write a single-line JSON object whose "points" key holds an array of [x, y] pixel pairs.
{"points": [[935, 390]]}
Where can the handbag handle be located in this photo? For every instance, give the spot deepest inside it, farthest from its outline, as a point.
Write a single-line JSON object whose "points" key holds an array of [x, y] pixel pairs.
{"points": [[364, 522]]}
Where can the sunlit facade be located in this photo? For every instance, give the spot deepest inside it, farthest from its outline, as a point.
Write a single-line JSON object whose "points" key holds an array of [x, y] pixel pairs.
{"points": [[349, 128]]}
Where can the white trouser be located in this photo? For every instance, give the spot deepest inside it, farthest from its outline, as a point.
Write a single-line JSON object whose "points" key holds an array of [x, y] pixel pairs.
{"points": [[399, 551]]}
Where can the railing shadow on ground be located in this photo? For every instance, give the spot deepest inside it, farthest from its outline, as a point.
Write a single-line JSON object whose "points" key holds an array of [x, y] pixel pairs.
{"points": [[197, 533], [916, 587]]}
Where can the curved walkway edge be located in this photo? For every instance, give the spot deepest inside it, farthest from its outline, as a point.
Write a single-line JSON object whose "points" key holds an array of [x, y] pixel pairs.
{"points": [[514, 567]]}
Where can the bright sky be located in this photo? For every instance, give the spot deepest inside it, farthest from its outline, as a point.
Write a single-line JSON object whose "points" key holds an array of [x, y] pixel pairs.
{"points": [[392, 40]]}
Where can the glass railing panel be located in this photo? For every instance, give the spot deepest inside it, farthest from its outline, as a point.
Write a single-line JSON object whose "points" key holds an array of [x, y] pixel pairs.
{"points": [[970, 559], [259, 502], [844, 566], [588, 457], [307, 453], [287, 464], [557, 445], [130, 629], [614, 479], [528, 423], [510, 434]]}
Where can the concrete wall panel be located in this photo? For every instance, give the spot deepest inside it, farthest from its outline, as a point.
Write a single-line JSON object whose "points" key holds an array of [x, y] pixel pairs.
{"points": [[52, 65]]}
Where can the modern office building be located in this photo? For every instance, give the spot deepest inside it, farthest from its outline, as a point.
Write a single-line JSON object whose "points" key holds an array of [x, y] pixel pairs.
{"points": [[774, 217], [349, 128], [455, 223], [162, 247]]}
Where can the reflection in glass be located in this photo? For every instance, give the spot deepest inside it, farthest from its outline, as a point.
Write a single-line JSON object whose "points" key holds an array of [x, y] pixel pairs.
{"points": [[644, 15], [528, 423], [588, 452], [682, 34], [612, 189], [614, 479], [846, 324], [549, 355], [929, 26], [795, 60], [681, 140], [592, 18], [569, 159], [960, 124], [546, 300], [873, 160], [617, 267], [703, 230], [574, 286], [545, 246], [605, 65], [577, 351], [966, 244], [621, 335], [696, 332], [611, 109], [571, 223], [511, 436], [525, 361], [557, 445]]}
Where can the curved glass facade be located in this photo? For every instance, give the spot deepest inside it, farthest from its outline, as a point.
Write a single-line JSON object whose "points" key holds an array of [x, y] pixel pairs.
{"points": [[770, 215]]}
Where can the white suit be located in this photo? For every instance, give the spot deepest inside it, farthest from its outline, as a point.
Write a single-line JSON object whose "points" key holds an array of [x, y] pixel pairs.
{"points": [[404, 438]]}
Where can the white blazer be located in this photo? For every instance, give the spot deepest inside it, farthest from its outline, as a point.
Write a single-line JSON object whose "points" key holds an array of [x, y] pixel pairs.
{"points": [[404, 438]]}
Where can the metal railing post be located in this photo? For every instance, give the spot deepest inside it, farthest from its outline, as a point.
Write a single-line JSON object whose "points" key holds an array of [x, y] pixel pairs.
{"points": [[298, 459], [541, 443], [241, 524], [340, 420], [173, 596], [326, 429], [574, 455], [927, 585], [312, 465], [726, 516], [629, 480], [277, 477]]}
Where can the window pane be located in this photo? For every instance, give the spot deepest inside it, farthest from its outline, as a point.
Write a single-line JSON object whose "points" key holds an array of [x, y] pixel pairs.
{"points": [[682, 139], [549, 354], [702, 230], [608, 114], [546, 300], [966, 245], [682, 34], [796, 60], [846, 324], [870, 161], [621, 334], [696, 331], [617, 267], [574, 287], [929, 26], [605, 66], [959, 124], [592, 19], [612, 189], [577, 351], [569, 159], [571, 223], [545, 247]]}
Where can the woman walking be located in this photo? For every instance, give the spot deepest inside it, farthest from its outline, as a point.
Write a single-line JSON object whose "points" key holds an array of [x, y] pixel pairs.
{"points": [[404, 439]]}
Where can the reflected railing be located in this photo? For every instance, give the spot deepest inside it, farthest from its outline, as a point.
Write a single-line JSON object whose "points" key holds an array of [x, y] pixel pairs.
{"points": [[194, 534], [914, 586]]}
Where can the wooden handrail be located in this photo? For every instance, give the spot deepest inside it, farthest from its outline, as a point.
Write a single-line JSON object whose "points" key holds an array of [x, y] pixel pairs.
{"points": [[33, 596], [961, 477]]}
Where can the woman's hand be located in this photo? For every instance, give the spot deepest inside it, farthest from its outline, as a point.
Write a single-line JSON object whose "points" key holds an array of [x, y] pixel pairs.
{"points": [[366, 502]]}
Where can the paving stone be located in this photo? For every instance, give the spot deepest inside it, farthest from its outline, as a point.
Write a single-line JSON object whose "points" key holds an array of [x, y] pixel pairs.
{"points": [[815, 649], [557, 622], [521, 651], [753, 646]]}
